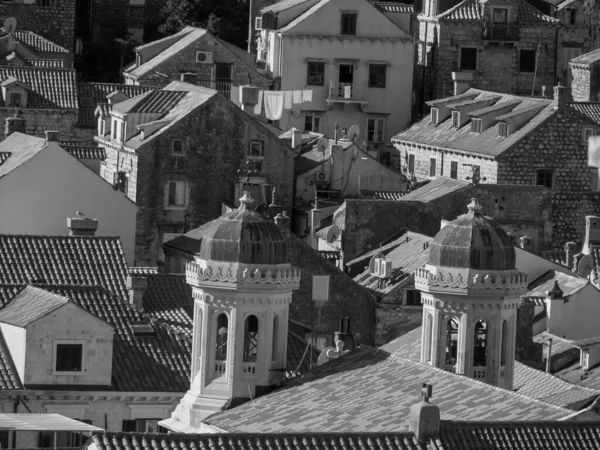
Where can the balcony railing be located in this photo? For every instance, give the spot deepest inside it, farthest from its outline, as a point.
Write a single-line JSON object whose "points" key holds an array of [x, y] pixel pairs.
{"points": [[346, 93], [500, 32], [479, 373], [450, 368], [220, 367], [223, 86], [249, 369]]}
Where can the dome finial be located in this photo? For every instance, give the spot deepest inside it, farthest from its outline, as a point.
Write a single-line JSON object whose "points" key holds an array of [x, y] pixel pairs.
{"points": [[474, 205], [556, 291], [246, 200]]}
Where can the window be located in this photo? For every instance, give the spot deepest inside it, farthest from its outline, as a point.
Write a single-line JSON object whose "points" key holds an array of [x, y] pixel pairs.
{"points": [[114, 129], [122, 181], [476, 125], [454, 169], [375, 129], [455, 119], [221, 342], [544, 177], [413, 297], [349, 23], [411, 163], [320, 289], [468, 58], [571, 16], [500, 15], [503, 129], [177, 146], [428, 337], [256, 149], [594, 180], [504, 347], [527, 61], [15, 99], [275, 342], [69, 357], [316, 74], [480, 346], [434, 116], [586, 133], [141, 425], [312, 122], [177, 193], [251, 339], [377, 75], [452, 331], [432, 164]]}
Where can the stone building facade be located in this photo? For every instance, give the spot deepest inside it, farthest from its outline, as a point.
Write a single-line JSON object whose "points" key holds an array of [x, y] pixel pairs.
{"points": [[165, 60], [137, 16], [181, 179], [541, 143], [504, 45], [572, 37]]}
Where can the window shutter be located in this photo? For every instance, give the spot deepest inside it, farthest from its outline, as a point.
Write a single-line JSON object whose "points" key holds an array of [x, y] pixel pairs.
{"points": [[320, 287], [180, 193]]}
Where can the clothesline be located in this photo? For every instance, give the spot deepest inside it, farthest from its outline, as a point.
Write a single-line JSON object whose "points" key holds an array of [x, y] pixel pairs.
{"points": [[275, 102]]}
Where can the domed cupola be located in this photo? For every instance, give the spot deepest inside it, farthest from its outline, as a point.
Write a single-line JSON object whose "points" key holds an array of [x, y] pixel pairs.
{"points": [[473, 241], [245, 236]]}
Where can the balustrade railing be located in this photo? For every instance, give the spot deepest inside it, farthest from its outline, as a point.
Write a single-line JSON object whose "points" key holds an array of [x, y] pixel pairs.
{"points": [[479, 373], [450, 368], [249, 369], [223, 86], [501, 32], [220, 367]]}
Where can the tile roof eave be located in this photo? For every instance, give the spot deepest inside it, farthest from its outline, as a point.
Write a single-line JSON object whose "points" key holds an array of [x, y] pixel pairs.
{"points": [[446, 149]]}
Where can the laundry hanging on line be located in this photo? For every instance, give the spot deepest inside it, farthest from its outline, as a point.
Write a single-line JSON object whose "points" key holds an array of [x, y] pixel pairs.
{"points": [[273, 104]]}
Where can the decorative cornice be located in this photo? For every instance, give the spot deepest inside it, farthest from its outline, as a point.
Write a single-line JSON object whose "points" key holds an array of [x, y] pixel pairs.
{"points": [[345, 37], [455, 278], [228, 273]]}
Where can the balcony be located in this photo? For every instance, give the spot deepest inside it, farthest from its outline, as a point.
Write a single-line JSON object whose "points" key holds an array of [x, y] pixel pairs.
{"points": [[505, 32], [223, 86], [479, 372], [346, 94], [249, 369]]}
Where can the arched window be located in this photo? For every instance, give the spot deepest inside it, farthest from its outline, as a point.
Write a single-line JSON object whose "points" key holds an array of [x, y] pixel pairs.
{"points": [[504, 343], [250, 339], [480, 344], [275, 343], [429, 337], [222, 332], [452, 341]]}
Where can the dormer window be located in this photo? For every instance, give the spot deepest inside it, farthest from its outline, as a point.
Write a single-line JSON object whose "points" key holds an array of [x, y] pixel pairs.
{"points": [[456, 119], [476, 125], [503, 130], [434, 116], [380, 266], [349, 23], [14, 100], [500, 15], [68, 357]]}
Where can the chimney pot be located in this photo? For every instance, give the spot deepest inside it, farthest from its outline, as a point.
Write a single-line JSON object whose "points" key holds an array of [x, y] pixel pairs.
{"points": [[248, 98], [283, 222], [526, 243], [462, 81], [189, 77], [51, 136], [136, 286], [81, 225], [570, 249], [559, 96], [296, 138], [425, 419]]}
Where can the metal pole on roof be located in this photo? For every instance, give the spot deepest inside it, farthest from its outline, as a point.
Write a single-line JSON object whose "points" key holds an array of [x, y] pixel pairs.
{"points": [[537, 57], [55, 440]]}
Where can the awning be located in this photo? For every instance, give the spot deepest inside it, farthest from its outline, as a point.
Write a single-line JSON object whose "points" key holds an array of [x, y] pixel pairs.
{"points": [[43, 422]]}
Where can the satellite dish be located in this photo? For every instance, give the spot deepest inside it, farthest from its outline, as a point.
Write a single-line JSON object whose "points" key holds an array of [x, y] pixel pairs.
{"points": [[585, 266], [10, 25], [353, 133], [322, 144]]}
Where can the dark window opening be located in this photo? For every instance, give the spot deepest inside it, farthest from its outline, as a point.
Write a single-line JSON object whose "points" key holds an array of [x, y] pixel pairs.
{"points": [[454, 169], [527, 61], [468, 58], [377, 75], [413, 297], [349, 23], [316, 74], [411, 164], [544, 178], [69, 357]]}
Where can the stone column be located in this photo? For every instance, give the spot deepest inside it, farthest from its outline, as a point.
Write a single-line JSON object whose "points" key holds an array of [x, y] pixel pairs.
{"points": [[465, 343], [436, 338]]}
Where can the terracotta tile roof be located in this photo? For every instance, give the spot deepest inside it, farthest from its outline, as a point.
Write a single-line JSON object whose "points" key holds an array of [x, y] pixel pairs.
{"points": [[330, 255], [520, 436], [282, 6], [169, 298], [488, 142], [38, 43], [529, 382], [154, 102], [51, 88], [406, 254], [583, 343], [256, 441], [569, 283], [367, 194], [84, 151], [9, 377], [394, 7], [372, 390], [71, 260], [587, 58], [556, 256], [4, 156], [29, 305], [46, 63], [438, 188], [577, 375], [22, 148], [471, 10], [591, 110]]}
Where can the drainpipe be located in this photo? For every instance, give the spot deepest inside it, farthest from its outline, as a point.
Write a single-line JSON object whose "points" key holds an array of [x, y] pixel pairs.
{"points": [[549, 357]]}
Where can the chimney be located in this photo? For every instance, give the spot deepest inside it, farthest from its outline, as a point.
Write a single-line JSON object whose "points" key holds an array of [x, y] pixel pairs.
{"points": [[570, 249], [555, 306], [275, 207], [585, 84], [248, 98], [549, 356], [136, 286], [559, 96], [425, 417], [282, 221], [296, 139], [190, 77], [592, 234], [51, 136], [81, 225], [12, 124], [337, 169], [526, 243], [462, 81], [315, 223]]}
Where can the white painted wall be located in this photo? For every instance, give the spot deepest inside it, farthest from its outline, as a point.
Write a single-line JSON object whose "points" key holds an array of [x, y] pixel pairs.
{"points": [[580, 315], [39, 195], [15, 340], [535, 266]]}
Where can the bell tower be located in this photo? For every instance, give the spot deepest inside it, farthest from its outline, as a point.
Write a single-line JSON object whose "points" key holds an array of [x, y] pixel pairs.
{"points": [[471, 292], [242, 283]]}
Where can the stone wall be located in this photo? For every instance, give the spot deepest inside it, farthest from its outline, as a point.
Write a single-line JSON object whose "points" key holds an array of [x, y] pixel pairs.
{"points": [[215, 150], [585, 86], [37, 121], [185, 61], [53, 19], [558, 145], [570, 36]]}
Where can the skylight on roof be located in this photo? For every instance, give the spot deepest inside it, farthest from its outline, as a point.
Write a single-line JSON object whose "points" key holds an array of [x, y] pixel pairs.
{"points": [[142, 329]]}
